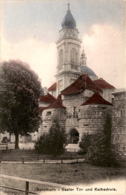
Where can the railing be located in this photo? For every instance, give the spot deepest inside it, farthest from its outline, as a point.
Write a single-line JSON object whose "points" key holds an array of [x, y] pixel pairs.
{"points": [[27, 184]]}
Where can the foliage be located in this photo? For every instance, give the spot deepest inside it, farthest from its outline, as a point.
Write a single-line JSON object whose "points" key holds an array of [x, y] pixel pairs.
{"points": [[85, 143], [53, 142], [19, 93], [41, 145], [100, 151]]}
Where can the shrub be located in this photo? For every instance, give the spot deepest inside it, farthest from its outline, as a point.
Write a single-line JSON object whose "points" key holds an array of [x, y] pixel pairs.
{"points": [[53, 142], [41, 146], [85, 143]]}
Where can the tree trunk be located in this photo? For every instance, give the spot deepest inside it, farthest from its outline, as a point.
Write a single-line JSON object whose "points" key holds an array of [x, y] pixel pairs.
{"points": [[16, 141]]}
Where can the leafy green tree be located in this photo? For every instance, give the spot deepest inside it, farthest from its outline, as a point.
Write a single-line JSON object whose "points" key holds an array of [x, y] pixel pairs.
{"points": [[53, 142], [20, 89]]}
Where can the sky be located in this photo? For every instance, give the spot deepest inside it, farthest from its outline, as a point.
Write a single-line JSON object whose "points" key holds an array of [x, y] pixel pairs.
{"points": [[29, 30]]}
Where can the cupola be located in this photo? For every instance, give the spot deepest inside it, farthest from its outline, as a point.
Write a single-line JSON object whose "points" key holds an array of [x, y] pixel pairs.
{"points": [[68, 21]]}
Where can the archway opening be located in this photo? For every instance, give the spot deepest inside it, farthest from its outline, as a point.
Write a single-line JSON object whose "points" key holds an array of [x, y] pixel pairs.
{"points": [[73, 136]]}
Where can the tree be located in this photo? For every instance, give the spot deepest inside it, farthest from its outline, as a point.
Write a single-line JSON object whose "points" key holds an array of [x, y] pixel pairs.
{"points": [[41, 145], [57, 138], [53, 142], [20, 89]]}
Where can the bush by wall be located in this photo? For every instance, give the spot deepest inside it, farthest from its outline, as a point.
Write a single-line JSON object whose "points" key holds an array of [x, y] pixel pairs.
{"points": [[98, 148], [53, 142]]}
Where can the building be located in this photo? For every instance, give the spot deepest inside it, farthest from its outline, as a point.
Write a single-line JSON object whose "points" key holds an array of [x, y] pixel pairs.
{"points": [[119, 122], [83, 98], [78, 98]]}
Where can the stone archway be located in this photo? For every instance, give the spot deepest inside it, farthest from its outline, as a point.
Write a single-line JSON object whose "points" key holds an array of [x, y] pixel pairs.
{"points": [[73, 136]]}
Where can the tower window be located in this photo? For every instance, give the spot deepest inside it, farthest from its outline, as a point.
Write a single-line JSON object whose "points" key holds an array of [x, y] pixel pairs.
{"points": [[60, 58], [74, 56], [60, 84]]}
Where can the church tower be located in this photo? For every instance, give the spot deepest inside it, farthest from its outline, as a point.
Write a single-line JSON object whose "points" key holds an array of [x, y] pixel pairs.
{"points": [[68, 48]]}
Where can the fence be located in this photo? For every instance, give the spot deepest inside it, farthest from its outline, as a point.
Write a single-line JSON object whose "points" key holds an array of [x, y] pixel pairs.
{"points": [[6, 146], [27, 182]]}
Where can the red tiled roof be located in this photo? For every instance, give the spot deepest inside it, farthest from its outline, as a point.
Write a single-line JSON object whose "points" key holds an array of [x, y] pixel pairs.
{"points": [[96, 99], [47, 98], [41, 109], [52, 87], [57, 103], [103, 84], [82, 83]]}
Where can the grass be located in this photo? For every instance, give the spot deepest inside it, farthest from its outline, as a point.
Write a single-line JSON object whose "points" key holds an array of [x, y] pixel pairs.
{"points": [[81, 173], [62, 173], [28, 155]]}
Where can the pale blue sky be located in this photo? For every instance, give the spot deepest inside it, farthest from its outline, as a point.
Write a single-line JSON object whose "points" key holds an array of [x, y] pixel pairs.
{"points": [[30, 31], [42, 18]]}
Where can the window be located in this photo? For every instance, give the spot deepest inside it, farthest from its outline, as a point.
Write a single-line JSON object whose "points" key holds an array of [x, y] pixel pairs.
{"points": [[48, 113], [60, 84], [74, 56], [60, 58]]}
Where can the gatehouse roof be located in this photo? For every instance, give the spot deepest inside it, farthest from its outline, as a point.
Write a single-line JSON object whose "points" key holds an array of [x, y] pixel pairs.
{"points": [[96, 99], [47, 98], [57, 103]]}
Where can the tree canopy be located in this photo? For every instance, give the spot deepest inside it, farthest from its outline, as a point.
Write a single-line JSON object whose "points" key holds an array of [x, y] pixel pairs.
{"points": [[20, 90]]}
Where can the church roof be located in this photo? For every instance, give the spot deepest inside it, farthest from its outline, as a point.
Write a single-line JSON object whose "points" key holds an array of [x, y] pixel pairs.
{"points": [[87, 70], [68, 21], [52, 87], [57, 103], [103, 84], [82, 83], [96, 99], [41, 109], [47, 98]]}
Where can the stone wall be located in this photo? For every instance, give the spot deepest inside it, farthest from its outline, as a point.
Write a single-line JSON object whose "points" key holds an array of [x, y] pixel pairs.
{"points": [[107, 94], [119, 123], [71, 101], [49, 115], [92, 118]]}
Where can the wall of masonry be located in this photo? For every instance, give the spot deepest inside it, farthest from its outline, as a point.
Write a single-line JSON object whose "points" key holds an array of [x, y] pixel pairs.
{"points": [[119, 123], [92, 118]]}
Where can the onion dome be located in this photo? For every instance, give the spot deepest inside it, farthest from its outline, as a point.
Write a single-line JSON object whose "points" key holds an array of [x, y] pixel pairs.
{"points": [[68, 21]]}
